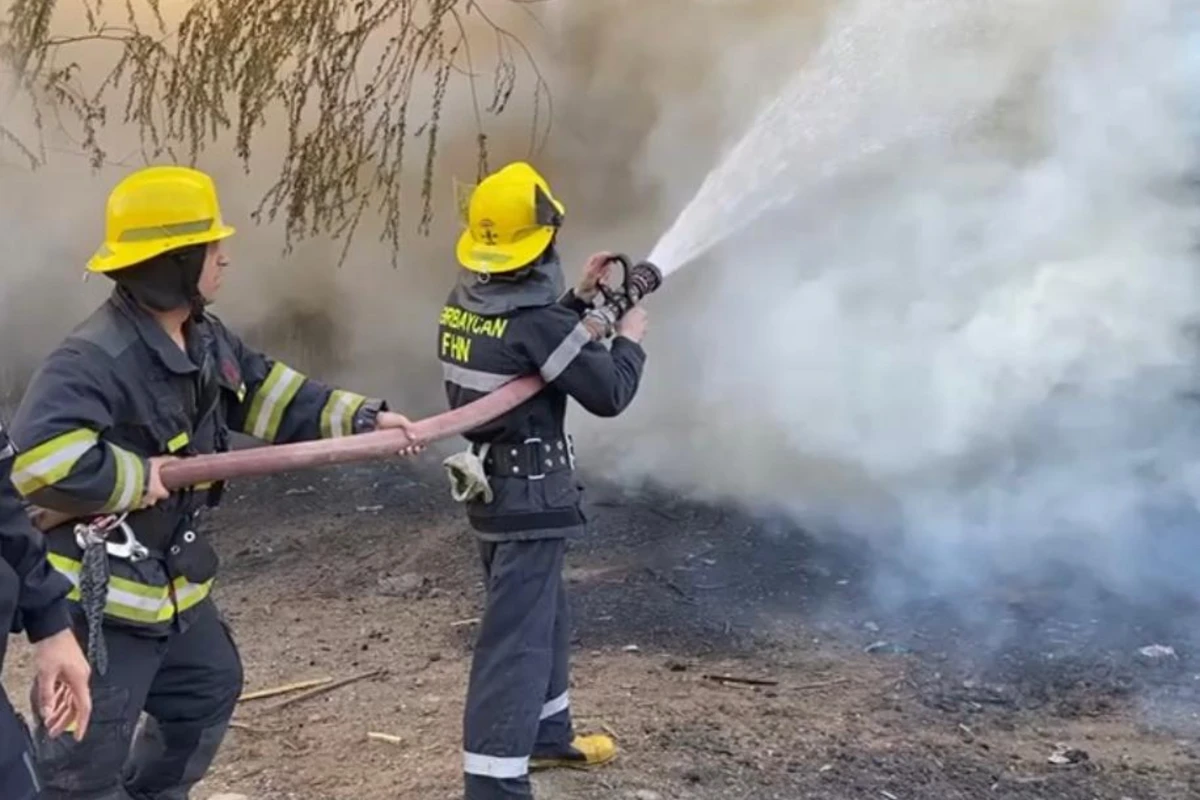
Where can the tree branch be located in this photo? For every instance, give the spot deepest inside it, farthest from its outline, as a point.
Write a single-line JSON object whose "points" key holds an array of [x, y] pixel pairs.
{"points": [[228, 67]]}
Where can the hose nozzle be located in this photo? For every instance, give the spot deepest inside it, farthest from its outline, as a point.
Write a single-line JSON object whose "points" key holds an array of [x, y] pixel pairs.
{"points": [[642, 279], [639, 280]]}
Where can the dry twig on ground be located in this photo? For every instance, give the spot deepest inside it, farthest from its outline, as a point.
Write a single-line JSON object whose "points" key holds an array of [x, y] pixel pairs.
{"points": [[263, 694], [328, 687]]}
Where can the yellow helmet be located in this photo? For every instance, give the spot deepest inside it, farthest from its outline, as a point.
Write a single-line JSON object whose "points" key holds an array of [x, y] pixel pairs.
{"points": [[511, 218], [156, 210]]}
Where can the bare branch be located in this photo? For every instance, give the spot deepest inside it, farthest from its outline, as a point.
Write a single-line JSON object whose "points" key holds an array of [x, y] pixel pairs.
{"points": [[338, 75]]}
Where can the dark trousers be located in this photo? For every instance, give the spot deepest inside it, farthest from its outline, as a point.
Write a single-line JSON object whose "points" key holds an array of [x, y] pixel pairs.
{"points": [[18, 780], [187, 683], [517, 701]]}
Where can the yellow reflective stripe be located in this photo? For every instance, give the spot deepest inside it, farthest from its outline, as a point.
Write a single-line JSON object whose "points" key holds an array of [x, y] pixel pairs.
{"points": [[130, 483], [337, 417], [271, 401], [188, 595], [179, 442], [134, 601], [152, 232], [51, 461]]}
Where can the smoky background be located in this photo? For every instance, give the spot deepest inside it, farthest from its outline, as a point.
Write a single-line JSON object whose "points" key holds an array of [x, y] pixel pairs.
{"points": [[969, 345]]}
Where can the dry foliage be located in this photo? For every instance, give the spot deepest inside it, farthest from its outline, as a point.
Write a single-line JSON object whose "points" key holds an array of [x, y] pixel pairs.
{"points": [[227, 64]]}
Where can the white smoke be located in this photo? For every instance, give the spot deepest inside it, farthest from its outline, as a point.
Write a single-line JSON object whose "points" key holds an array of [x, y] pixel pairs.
{"points": [[975, 346], [970, 343]]}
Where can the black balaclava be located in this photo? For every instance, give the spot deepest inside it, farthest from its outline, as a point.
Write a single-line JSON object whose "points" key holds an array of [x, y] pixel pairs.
{"points": [[168, 281], [541, 283]]}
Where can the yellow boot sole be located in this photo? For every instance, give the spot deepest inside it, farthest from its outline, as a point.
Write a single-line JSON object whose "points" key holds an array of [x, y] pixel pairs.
{"points": [[597, 750]]}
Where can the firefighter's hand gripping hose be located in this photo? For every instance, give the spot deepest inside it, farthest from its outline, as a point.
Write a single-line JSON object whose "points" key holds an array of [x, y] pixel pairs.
{"points": [[638, 281]]}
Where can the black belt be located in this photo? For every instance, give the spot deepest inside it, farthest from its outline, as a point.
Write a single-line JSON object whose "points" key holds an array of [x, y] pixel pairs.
{"points": [[532, 459]]}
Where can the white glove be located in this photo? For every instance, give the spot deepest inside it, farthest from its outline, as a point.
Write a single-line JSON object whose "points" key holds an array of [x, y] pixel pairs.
{"points": [[468, 480]]}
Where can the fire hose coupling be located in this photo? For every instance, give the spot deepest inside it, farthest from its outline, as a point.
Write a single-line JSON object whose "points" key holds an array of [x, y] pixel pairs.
{"points": [[638, 280]]}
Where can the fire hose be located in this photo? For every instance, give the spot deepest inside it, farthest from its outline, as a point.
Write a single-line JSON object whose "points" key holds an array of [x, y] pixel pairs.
{"points": [[639, 280]]}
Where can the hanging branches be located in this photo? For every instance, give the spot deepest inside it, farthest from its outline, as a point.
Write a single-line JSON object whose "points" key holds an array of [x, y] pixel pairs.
{"points": [[342, 78]]}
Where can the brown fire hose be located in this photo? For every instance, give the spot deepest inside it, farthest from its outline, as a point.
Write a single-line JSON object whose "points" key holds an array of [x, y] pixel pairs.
{"points": [[640, 279], [363, 447]]}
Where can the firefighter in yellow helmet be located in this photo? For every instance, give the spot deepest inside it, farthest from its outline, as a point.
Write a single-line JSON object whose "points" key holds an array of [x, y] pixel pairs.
{"points": [[151, 375], [508, 316]]}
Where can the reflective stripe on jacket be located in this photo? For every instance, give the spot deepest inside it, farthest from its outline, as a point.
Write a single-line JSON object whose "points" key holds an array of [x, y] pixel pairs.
{"points": [[119, 391], [480, 353]]}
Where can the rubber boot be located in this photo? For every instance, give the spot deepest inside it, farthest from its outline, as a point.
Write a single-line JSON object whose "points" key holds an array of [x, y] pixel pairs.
{"points": [[585, 752]]}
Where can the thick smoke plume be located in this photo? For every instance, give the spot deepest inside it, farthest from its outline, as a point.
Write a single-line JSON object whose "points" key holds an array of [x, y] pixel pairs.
{"points": [[971, 343]]}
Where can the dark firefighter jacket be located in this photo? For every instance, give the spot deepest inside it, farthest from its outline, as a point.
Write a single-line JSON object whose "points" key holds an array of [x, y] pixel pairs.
{"points": [[118, 391], [32, 595], [481, 352]]}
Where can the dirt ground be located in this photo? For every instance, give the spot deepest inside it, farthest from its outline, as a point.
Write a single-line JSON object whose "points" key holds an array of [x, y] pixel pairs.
{"points": [[348, 571]]}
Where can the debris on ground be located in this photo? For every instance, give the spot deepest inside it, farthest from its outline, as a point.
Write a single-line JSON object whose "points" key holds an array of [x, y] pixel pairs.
{"points": [[409, 586], [262, 694], [887, 648], [1157, 653], [809, 687], [329, 687], [229, 797], [384, 737], [631, 648], [675, 665], [1064, 755], [670, 584], [742, 681]]}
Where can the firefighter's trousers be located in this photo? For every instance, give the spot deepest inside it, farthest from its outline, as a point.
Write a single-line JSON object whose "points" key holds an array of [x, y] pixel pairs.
{"points": [[18, 780], [517, 701], [187, 683]]}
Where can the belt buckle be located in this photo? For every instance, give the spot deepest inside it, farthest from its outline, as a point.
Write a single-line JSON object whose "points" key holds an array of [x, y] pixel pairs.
{"points": [[533, 446]]}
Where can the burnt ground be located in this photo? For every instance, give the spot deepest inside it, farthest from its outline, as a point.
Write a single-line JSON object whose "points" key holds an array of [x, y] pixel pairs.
{"points": [[341, 572]]}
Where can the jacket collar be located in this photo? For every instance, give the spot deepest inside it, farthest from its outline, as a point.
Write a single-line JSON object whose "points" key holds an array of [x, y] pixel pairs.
{"points": [[154, 336], [541, 286]]}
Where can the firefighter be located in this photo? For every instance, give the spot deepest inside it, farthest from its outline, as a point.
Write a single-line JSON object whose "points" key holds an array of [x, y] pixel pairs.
{"points": [[33, 599], [148, 377], [508, 316]]}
